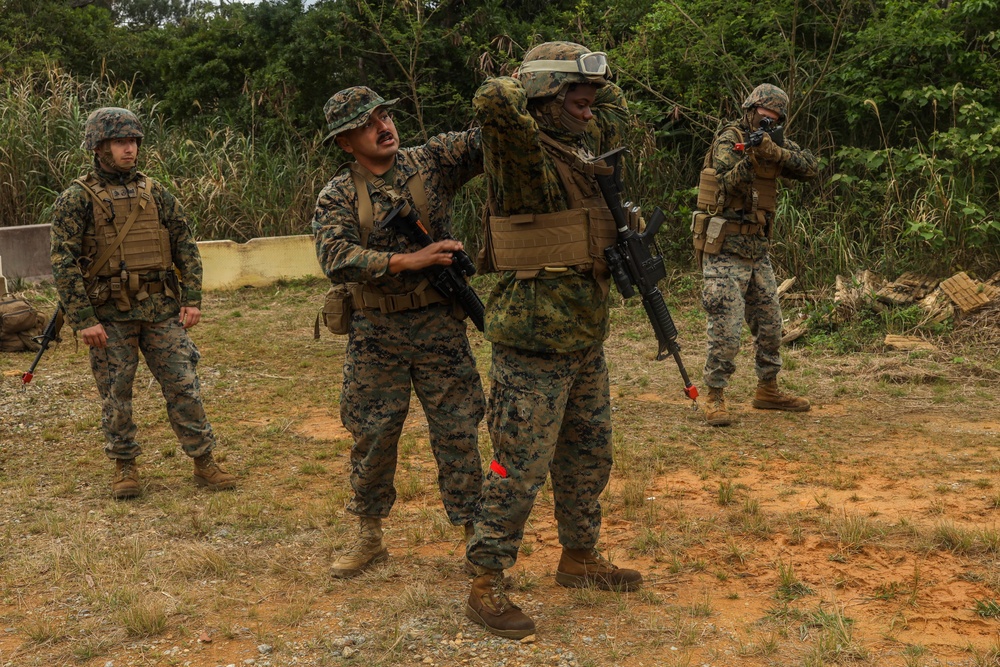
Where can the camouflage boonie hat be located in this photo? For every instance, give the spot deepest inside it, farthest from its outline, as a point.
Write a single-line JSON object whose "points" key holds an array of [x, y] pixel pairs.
{"points": [[551, 66], [768, 96], [350, 108], [110, 123]]}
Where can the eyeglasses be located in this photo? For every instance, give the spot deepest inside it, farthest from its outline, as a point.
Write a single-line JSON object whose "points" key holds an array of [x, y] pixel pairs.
{"points": [[381, 116], [588, 64]]}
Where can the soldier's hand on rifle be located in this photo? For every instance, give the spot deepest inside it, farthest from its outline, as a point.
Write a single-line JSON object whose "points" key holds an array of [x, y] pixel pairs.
{"points": [[190, 316], [438, 252], [95, 336], [768, 150]]}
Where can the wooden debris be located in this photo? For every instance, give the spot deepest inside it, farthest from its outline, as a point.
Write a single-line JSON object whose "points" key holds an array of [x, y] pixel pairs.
{"points": [[906, 289], [938, 307], [907, 343], [786, 285], [851, 294], [967, 294]]}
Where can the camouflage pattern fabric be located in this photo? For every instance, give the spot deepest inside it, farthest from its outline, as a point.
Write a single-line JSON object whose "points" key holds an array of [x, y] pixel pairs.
{"points": [[424, 348], [544, 84], [172, 358], [110, 123], [548, 413], [768, 96], [150, 326], [563, 312], [739, 281], [73, 217], [549, 409], [386, 353], [350, 108], [447, 161]]}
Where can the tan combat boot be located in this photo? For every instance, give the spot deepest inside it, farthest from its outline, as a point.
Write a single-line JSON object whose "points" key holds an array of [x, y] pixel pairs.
{"points": [[769, 397], [715, 408], [366, 551], [490, 607], [580, 568], [208, 473], [126, 482]]}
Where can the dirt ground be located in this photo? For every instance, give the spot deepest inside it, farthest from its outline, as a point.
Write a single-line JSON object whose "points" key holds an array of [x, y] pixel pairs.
{"points": [[861, 532]]}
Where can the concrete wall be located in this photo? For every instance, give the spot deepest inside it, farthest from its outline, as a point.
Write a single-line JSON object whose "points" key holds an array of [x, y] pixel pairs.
{"points": [[24, 253], [230, 265]]}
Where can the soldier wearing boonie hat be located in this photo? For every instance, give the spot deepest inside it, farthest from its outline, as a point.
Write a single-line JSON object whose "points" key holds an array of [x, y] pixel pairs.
{"points": [[123, 296], [404, 336], [738, 192]]}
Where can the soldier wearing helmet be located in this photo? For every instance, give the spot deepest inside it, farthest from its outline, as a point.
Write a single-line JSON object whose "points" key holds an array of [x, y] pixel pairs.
{"points": [[732, 236], [128, 272], [547, 318], [403, 335]]}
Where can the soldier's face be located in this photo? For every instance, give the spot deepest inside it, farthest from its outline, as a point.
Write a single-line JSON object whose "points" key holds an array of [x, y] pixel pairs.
{"points": [[118, 154], [579, 100], [376, 140]]}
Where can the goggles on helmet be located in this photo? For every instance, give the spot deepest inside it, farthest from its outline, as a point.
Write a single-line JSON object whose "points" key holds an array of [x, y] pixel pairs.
{"points": [[588, 64]]}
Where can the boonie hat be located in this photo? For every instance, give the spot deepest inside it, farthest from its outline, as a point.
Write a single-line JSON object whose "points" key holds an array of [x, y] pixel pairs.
{"points": [[350, 108]]}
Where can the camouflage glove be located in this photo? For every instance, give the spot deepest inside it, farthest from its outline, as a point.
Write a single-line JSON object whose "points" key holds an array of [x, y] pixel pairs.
{"points": [[769, 151]]}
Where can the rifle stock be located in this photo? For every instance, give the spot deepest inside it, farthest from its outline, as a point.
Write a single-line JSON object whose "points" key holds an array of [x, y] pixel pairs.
{"points": [[634, 266]]}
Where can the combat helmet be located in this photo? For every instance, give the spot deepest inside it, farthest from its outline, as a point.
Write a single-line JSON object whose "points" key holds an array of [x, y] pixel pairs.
{"points": [[770, 97], [111, 123], [548, 68]]}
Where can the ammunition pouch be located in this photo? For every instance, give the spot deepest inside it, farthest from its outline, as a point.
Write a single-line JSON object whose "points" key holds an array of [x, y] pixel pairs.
{"points": [[337, 308], [709, 232], [128, 287]]}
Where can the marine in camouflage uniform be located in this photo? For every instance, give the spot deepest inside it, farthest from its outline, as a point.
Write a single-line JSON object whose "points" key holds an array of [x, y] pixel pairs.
{"points": [[119, 311], [549, 407], [739, 282], [403, 334]]}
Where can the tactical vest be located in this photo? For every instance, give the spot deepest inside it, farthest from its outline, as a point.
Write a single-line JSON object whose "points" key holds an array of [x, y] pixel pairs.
{"points": [[146, 244], [367, 296], [710, 227], [344, 298], [530, 243], [129, 253], [756, 204]]}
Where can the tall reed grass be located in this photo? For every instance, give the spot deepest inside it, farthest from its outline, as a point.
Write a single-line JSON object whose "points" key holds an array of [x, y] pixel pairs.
{"points": [[888, 210]]}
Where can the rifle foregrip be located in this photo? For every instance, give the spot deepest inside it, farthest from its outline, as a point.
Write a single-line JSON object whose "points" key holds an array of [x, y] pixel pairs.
{"points": [[659, 315]]}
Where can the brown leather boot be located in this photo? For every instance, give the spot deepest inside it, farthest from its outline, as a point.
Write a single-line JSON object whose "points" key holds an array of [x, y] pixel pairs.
{"points": [[208, 473], [769, 397], [126, 482], [580, 568], [715, 408], [490, 607], [366, 551]]}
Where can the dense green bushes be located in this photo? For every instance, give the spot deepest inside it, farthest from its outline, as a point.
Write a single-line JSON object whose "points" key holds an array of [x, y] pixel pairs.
{"points": [[900, 99]]}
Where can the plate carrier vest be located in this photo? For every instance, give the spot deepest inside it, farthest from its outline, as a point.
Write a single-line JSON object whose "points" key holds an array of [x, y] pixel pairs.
{"points": [[710, 227], [530, 243], [130, 250]]}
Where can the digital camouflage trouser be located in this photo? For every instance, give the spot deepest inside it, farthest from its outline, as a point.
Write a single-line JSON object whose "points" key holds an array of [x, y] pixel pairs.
{"points": [[172, 358], [738, 288], [386, 354], [548, 414]]}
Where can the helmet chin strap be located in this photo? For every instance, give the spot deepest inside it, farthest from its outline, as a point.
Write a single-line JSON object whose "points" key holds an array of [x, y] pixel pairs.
{"points": [[106, 159]]}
